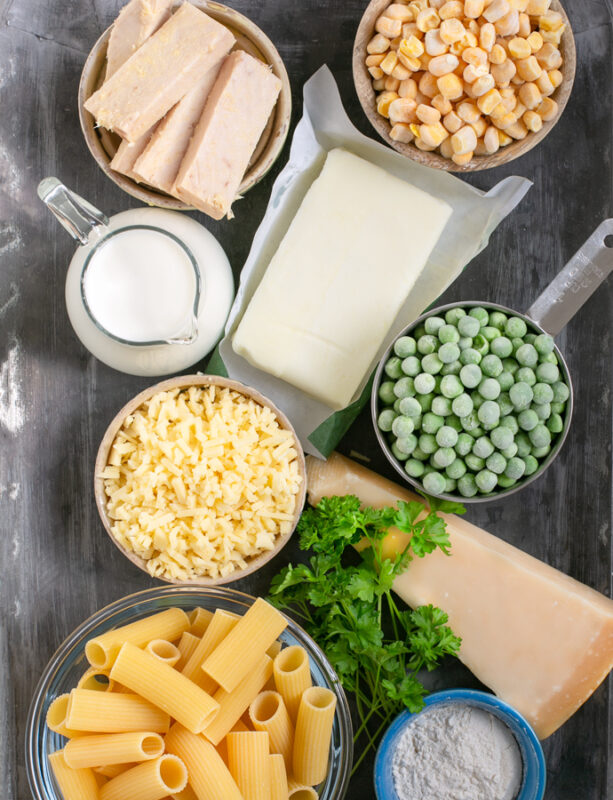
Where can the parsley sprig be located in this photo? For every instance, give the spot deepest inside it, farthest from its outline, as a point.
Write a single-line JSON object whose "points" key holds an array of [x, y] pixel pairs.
{"points": [[345, 603]]}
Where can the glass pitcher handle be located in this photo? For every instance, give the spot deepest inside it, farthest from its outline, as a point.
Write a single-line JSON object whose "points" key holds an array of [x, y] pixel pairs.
{"points": [[75, 214]]}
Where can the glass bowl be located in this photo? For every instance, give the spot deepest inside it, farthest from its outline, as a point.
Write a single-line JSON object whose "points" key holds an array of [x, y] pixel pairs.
{"points": [[69, 663]]}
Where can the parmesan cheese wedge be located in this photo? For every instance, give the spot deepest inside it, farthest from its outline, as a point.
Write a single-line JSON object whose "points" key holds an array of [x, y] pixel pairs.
{"points": [[541, 640]]}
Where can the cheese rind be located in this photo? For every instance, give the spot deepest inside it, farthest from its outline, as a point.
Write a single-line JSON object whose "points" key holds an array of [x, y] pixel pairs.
{"points": [[541, 640], [160, 73], [339, 278], [234, 117], [136, 22]]}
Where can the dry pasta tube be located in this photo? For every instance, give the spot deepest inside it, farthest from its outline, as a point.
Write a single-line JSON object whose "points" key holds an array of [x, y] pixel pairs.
{"points": [[240, 651], [278, 778], [208, 775], [222, 747], [100, 778], [164, 650], [107, 712], [112, 770], [313, 734], [102, 650], [187, 794], [249, 763], [152, 780], [199, 620], [274, 649], [268, 713], [113, 748], [219, 627], [75, 784], [232, 705], [164, 687], [96, 679], [292, 674], [298, 791], [56, 717], [187, 644]]}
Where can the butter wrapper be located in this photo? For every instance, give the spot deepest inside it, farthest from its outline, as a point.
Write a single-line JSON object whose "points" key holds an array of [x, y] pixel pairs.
{"points": [[323, 127]]}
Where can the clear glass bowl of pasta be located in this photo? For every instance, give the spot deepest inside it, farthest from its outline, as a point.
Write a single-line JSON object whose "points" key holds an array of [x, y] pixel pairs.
{"points": [[69, 663]]}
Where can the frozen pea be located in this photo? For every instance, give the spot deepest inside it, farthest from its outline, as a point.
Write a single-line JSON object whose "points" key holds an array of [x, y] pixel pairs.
{"points": [[467, 486], [397, 453], [407, 444], [404, 387], [474, 462], [531, 465], [497, 463], [504, 482], [462, 405], [550, 358], [521, 395], [510, 451], [419, 454], [504, 404], [543, 344], [419, 332], [501, 347], [477, 399], [524, 446], [441, 406], [427, 443], [469, 326], [393, 367], [491, 365], [452, 368], [516, 344], [515, 468], [481, 344], [386, 419], [405, 346], [450, 485], [411, 366], [471, 375], [410, 407], [386, 392], [530, 338], [481, 314], [464, 444], [510, 365], [541, 452], [501, 437], [432, 422], [414, 468], [470, 356], [396, 406], [428, 469], [464, 342], [449, 352], [543, 411], [528, 419], [446, 436], [434, 483], [451, 386], [527, 355], [540, 436], [555, 423], [561, 392], [443, 457], [402, 426], [543, 393], [470, 421], [509, 422], [486, 481], [432, 324], [557, 408], [425, 401], [454, 315], [417, 420], [431, 363], [427, 344], [456, 469], [489, 388], [498, 320], [548, 373], [490, 333], [477, 432], [448, 333], [483, 447], [454, 422], [489, 413], [525, 375], [424, 383], [515, 328]]}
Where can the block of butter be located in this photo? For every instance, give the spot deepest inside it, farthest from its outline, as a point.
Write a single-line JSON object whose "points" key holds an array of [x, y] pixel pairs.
{"points": [[352, 254], [136, 22], [234, 117], [541, 640], [160, 73]]}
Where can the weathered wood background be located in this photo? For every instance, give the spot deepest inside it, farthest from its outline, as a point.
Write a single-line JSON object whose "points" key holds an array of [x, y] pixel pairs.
{"points": [[58, 565]]}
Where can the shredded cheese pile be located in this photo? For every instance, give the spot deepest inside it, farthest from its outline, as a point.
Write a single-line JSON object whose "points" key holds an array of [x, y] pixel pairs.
{"points": [[200, 480]]}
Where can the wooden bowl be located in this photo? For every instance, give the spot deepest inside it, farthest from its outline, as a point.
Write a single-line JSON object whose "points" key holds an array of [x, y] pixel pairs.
{"points": [[366, 95], [184, 382], [103, 144]]}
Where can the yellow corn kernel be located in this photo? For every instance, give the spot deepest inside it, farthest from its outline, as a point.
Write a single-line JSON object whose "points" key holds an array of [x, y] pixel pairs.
{"points": [[487, 36], [504, 139], [553, 37], [388, 27], [462, 159], [410, 29], [452, 30], [399, 11], [537, 7], [476, 56], [427, 20], [376, 72], [432, 135], [519, 5], [556, 77], [468, 90], [496, 9], [374, 60], [395, 43], [452, 9], [545, 85], [427, 114], [441, 104], [503, 73], [450, 86], [389, 62], [402, 109], [498, 111], [509, 101], [435, 46], [480, 148], [483, 85], [408, 88], [548, 109], [491, 139], [384, 102], [519, 109], [467, 111], [518, 130], [414, 129], [488, 101], [401, 133], [464, 140], [530, 95], [400, 72], [551, 21], [445, 148], [549, 57], [508, 25], [498, 54], [443, 65], [532, 121], [535, 40], [425, 61], [421, 145], [378, 85], [391, 84], [411, 63], [470, 73], [473, 26], [378, 44], [519, 48], [428, 85], [473, 8], [525, 26], [418, 5], [411, 47], [505, 121], [452, 122], [470, 39], [479, 126]]}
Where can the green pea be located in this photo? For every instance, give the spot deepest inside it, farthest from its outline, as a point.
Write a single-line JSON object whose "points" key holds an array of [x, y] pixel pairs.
{"points": [[410, 407], [491, 366], [470, 421], [446, 436], [397, 453], [427, 344], [505, 483], [510, 365], [515, 328], [510, 451], [386, 419], [489, 413], [404, 387], [452, 369], [528, 419], [543, 344], [448, 333], [557, 408], [386, 392], [417, 420], [489, 388], [540, 436], [432, 325], [407, 444], [402, 427], [481, 314], [450, 485], [543, 393], [454, 422], [527, 356], [451, 386], [517, 343], [441, 406], [550, 358], [477, 432], [443, 457], [524, 446], [464, 444], [481, 344], [437, 385], [424, 383], [427, 443], [561, 392], [431, 364], [490, 333], [483, 448], [470, 356], [555, 423], [396, 406], [425, 401], [414, 468], [486, 481], [467, 486], [453, 316], [432, 422], [515, 468], [531, 464], [548, 373], [456, 469], [419, 454], [474, 462], [419, 331], [501, 347], [497, 463], [498, 319], [501, 437], [411, 366], [469, 326], [405, 346], [434, 483], [543, 411], [541, 452], [477, 399], [504, 404], [449, 352], [465, 342], [471, 375], [521, 395], [525, 375], [393, 367], [462, 405], [509, 422]]}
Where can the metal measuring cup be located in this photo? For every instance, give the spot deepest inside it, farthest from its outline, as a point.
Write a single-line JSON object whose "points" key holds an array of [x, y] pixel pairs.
{"points": [[550, 313]]}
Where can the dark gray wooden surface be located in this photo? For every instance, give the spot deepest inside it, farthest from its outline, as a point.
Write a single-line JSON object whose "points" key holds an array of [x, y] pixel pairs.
{"points": [[58, 565]]}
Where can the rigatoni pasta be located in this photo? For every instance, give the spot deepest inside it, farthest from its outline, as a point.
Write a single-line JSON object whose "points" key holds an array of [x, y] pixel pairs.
{"points": [[152, 780], [219, 627], [199, 619], [113, 748], [292, 674], [313, 734], [249, 763], [186, 646], [110, 712], [75, 784], [164, 650], [95, 679], [278, 777], [268, 713], [56, 717], [298, 791]]}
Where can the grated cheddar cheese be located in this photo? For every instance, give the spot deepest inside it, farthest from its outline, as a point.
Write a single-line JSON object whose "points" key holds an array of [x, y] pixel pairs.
{"points": [[199, 481]]}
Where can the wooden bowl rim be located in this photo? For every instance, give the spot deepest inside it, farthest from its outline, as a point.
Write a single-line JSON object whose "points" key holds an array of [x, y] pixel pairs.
{"points": [[272, 148], [184, 382], [366, 95]]}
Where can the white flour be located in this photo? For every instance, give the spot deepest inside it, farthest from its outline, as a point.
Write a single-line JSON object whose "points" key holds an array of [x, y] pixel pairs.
{"points": [[457, 752]]}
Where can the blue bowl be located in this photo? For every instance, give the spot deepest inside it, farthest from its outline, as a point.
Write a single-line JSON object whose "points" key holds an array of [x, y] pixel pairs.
{"points": [[534, 771]]}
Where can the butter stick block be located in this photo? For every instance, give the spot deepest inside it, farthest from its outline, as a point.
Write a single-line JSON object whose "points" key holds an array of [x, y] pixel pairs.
{"points": [[541, 640], [136, 22], [160, 73], [127, 154], [159, 161], [234, 117], [339, 278]]}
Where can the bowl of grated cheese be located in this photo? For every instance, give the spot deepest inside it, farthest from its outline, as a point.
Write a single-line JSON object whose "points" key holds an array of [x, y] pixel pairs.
{"points": [[200, 480]]}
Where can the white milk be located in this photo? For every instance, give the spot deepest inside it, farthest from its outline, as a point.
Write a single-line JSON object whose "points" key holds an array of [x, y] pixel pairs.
{"points": [[140, 285]]}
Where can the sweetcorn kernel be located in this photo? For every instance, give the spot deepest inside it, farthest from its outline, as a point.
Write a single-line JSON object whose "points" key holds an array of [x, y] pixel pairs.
{"points": [[532, 121], [452, 30], [488, 101], [427, 20], [547, 109], [468, 111], [384, 101], [408, 88], [401, 132], [433, 135], [504, 139], [411, 47], [435, 46], [530, 95], [479, 126], [535, 40], [442, 65], [391, 84], [474, 8], [450, 86], [378, 44], [402, 109], [548, 56], [491, 139], [388, 27], [509, 24], [520, 48], [441, 104], [498, 54], [464, 140], [451, 9], [452, 122], [462, 159], [556, 77]]}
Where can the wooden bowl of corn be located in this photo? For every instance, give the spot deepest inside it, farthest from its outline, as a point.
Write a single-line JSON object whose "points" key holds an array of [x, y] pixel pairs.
{"points": [[464, 85]]}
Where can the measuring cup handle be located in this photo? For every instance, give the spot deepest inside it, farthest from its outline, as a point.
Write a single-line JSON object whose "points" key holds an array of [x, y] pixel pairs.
{"points": [[74, 213], [577, 281]]}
